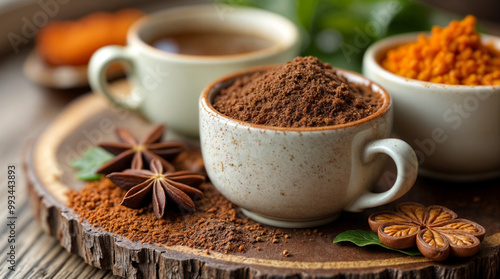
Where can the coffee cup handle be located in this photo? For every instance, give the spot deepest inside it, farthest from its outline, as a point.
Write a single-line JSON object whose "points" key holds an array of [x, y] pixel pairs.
{"points": [[407, 167], [98, 65]]}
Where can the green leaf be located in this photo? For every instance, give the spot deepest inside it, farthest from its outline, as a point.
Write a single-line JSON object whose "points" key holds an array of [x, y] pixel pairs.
{"points": [[362, 238], [88, 164]]}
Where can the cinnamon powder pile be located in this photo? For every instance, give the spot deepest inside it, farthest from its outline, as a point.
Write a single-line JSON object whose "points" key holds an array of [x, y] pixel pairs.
{"points": [[302, 93], [215, 225]]}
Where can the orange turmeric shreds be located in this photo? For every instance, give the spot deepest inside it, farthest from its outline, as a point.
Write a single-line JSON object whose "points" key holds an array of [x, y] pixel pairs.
{"points": [[450, 55]]}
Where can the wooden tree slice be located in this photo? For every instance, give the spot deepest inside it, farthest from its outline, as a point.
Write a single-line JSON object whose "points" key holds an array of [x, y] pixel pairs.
{"points": [[90, 120]]}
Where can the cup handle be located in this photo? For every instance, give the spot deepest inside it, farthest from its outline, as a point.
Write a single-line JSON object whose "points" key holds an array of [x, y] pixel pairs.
{"points": [[407, 168], [100, 62]]}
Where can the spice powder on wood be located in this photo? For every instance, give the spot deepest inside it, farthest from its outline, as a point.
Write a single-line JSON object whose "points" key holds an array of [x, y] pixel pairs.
{"points": [[304, 92], [216, 225]]}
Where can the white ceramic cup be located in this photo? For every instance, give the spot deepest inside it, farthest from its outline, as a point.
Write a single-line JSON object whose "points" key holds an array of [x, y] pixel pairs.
{"points": [[166, 86], [453, 128], [302, 177]]}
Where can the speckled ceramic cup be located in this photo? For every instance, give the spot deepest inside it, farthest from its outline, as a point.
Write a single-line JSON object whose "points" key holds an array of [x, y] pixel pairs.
{"points": [[302, 177]]}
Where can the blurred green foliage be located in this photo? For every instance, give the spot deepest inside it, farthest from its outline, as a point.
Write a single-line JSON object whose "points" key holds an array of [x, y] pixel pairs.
{"points": [[339, 31]]}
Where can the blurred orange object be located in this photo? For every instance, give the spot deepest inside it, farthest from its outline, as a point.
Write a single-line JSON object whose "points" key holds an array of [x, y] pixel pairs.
{"points": [[74, 42]]}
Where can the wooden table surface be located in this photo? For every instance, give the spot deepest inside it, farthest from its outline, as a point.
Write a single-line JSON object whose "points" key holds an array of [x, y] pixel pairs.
{"points": [[25, 110]]}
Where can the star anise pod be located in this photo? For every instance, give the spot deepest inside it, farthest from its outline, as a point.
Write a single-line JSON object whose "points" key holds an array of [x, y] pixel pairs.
{"points": [[435, 230], [145, 185], [131, 153]]}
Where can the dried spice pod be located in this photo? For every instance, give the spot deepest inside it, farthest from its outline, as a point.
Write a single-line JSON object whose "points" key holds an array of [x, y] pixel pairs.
{"points": [[463, 225], [159, 188], [414, 211], [134, 154], [435, 230], [432, 245], [462, 244], [437, 214], [398, 235], [377, 219]]}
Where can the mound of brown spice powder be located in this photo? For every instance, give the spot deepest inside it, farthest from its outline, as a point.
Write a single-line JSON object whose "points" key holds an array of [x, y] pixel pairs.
{"points": [[302, 93], [215, 225]]}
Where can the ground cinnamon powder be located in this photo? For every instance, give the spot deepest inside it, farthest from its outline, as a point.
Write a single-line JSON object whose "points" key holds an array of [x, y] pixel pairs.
{"points": [[215, 225], [450, 55], [302, 93]]}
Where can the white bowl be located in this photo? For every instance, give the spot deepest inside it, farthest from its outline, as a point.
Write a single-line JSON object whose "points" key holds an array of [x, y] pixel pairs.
{"points": [[454, 129]]}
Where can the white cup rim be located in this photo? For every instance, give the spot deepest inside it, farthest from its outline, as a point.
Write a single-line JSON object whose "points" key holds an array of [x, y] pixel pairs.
{"points": [[292, 39], [374, 53], [209, 92]]}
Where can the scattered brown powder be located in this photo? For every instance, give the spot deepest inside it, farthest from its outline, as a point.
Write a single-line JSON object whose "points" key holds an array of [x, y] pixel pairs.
{"points": [[302, 93], [216, 225]]}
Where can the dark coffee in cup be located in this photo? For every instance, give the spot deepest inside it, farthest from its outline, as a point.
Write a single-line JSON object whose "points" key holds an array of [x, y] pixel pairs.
{"points": [[210, 43]]}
